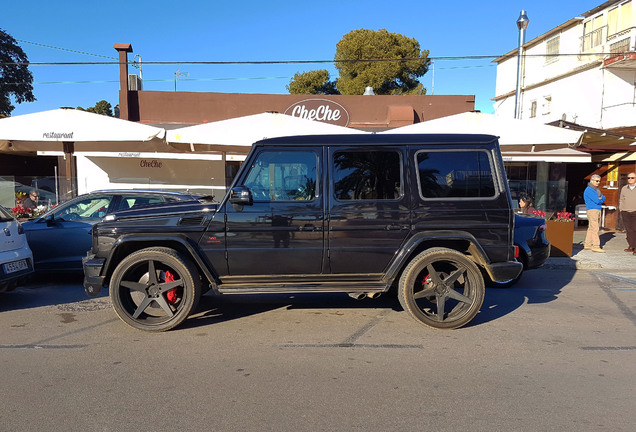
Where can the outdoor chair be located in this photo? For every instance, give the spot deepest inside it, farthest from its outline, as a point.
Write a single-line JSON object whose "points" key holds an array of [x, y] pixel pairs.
{"points": [[580, 213]]}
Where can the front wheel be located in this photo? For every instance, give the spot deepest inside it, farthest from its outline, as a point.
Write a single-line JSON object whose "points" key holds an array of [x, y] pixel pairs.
{"points": [[441, 288], [154, 289]]}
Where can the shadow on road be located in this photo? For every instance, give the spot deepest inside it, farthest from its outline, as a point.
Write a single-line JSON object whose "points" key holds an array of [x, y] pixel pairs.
{"points": [[536, 286], [220, 308], [540, 285], [45, 290]]}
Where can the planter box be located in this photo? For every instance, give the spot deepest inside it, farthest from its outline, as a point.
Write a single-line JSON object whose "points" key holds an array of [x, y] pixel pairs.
{"points": [[561, 237]]}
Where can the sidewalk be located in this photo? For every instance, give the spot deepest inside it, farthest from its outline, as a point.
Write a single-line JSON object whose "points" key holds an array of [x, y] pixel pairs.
{"points": [[613, 242]]}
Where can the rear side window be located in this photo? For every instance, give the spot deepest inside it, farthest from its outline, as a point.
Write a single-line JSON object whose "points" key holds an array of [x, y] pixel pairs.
{"points": [[128, 202], [367, 175], [456, 174]]}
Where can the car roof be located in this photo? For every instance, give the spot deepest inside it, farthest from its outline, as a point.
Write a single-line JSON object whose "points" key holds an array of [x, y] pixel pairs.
{"points": [[140, 191], [380, 139]]}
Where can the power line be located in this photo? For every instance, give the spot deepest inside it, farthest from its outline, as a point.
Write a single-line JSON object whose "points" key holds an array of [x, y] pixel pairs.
{"points": [[284, 62], [155, 80], [66, 49]]}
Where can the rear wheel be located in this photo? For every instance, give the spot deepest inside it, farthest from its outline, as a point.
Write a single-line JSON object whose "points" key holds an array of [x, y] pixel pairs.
{"points": [[154, 289], [441, 288]]}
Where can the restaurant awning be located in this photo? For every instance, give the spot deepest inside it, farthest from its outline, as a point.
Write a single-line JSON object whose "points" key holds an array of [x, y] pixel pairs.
{"points": [[238, 134], [514, 135], [70, 130]]}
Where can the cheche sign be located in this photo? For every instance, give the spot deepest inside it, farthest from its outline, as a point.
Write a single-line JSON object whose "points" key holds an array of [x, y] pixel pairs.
{"points": [[321, 110]]}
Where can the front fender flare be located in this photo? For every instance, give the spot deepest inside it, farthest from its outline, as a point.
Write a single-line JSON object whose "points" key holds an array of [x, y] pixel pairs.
{"points": [[179, 242]]}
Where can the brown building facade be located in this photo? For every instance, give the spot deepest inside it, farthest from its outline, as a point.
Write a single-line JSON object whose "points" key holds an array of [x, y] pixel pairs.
{"points": [[370, 113]]}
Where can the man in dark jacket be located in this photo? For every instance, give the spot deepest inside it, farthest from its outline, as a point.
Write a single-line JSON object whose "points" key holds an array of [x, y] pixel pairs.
{"points": [[627, 206], [32, 201]]}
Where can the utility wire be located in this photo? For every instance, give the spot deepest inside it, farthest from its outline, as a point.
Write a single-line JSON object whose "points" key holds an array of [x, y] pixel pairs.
{"points": [[279, 62], [66, 49]]}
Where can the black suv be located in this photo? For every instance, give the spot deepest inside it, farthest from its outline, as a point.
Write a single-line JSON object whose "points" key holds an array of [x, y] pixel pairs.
{"points": [[427, 214]]}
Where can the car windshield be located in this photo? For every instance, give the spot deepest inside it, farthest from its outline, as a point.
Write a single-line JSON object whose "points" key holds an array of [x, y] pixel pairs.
{"points": [[87, 208]]}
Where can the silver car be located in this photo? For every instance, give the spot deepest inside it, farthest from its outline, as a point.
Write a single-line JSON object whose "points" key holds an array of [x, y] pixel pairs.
{"points": [[16, 259]]}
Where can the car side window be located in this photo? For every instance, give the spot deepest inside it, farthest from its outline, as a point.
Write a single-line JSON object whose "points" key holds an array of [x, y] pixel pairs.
{"points": [[130, 201], [283, 176], [86, 209], [456, 174], [367, 175]]}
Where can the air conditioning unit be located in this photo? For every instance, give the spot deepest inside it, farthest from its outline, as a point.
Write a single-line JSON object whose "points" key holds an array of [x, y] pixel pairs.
{"points": [[134, 83]]}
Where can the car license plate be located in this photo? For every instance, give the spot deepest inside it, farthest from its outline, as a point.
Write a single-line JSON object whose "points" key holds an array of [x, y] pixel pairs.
{"points": [[15, 266]]}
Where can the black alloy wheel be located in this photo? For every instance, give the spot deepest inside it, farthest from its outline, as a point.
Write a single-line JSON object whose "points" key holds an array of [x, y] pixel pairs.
{"points": [[155, 289], [441, 288]]}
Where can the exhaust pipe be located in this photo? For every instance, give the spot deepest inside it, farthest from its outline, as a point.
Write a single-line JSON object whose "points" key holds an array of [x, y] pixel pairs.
{"points": [[357, 295]]}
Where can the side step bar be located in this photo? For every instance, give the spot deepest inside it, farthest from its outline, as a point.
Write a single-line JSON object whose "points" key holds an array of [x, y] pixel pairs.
{"points": [[272, 288]]}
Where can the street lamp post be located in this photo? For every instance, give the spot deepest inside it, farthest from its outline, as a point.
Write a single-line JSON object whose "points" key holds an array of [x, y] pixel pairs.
{"points": [[522, 25]]}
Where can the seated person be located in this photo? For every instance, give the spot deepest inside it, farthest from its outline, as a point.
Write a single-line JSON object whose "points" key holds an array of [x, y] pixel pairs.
{"points": [[525, 204]]}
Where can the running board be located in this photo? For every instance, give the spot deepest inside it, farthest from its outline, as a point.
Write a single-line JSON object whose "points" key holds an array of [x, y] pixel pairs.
{"points": [[334, 287]]}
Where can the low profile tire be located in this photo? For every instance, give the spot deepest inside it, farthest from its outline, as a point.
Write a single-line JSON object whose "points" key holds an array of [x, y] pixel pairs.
{"points": [[441, 288], [154, 289]]}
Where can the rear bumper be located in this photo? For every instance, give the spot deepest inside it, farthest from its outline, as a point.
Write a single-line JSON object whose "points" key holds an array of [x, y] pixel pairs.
{"points": [[10, 279], [538, 255], [504, 271], [93, 280]]}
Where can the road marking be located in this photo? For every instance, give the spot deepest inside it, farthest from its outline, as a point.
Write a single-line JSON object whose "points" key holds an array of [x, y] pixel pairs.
{"points": [[609, 291], [610, 348], [38, 346], [617, 277], [353, 345]]}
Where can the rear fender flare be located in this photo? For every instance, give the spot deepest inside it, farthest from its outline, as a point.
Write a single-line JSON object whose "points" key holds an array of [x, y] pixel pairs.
{"points": [[461, 241]]}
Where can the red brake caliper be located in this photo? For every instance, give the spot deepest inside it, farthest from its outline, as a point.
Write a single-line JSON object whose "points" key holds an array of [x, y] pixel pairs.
{"points": [[171, 295]]}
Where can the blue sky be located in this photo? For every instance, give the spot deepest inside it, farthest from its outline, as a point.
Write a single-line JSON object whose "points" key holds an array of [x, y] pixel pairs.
{"points": [[284, 30]]}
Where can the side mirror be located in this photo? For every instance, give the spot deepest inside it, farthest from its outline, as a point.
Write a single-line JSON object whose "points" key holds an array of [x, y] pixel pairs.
{"points": [[50, 220], [241, 195]]}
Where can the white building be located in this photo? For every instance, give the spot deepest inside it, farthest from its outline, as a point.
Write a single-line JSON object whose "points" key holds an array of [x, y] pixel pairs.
{"points": [[583, 71], [580, 74]]}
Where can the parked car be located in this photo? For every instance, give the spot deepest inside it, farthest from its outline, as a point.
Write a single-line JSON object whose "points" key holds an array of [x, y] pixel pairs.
{"points": [[61, 237], [534, 247], [359, 214], [16, 259]]}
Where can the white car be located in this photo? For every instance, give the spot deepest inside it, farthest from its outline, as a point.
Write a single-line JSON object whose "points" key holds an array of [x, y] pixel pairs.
{"points": [[16, 259]]}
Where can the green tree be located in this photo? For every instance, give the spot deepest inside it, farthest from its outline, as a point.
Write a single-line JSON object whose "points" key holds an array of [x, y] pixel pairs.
{"points": [[399, 76], [312, 82], [15, 78], [386, 77], [101, 107]]}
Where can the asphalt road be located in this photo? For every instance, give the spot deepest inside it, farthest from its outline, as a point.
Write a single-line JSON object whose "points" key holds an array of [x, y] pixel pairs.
{"points": [[555, 353]]}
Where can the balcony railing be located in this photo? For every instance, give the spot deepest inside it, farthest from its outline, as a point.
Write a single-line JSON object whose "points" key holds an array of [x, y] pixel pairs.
{"points": [[593, 39], [620, 47]]}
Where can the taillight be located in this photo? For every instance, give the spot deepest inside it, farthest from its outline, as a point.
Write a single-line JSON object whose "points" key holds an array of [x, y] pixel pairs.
{"points": [[20, 228], [516, 251], [543, 227]]}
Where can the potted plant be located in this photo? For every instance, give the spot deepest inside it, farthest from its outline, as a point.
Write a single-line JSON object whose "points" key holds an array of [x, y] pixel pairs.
{"points": [[560, 234], [23, 214]]}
